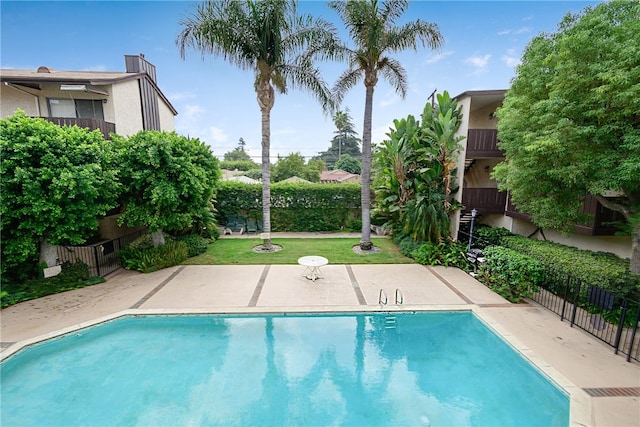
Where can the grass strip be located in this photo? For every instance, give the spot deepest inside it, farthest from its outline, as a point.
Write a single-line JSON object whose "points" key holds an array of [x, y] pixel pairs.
{"points": [[336, 250]]}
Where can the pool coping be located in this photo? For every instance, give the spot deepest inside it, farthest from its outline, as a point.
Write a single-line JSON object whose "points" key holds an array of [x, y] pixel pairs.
{"points": [[580, 402]]}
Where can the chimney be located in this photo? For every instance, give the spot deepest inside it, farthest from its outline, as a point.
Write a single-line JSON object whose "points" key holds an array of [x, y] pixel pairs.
{"points": [[137, 64]]}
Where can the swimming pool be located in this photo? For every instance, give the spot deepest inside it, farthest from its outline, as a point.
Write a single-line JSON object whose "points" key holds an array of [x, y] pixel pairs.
{"points": [[342, 369]]}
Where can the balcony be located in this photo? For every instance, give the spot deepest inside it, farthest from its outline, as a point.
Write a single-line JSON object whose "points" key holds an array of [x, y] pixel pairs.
{"points": [[91, 124], [483, 143], [484, 200]]}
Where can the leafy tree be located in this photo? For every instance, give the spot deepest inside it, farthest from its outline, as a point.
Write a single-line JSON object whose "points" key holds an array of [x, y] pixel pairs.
{"points": [[294, 165], [169, 181], [349, 164], [270, 38], [241, 144], [237, 155], [569, 125], [415, 169], [345, 141], [241, 165], [56, 183], [372, 27]]}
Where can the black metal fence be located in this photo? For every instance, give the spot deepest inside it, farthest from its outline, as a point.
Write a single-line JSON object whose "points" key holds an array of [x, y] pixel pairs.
{"points": [[603, 314], [612, 318], [101, 257]]}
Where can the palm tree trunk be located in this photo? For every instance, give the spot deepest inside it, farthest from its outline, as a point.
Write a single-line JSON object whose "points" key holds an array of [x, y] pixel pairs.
{"points": [[265, 100], [365, 194]]}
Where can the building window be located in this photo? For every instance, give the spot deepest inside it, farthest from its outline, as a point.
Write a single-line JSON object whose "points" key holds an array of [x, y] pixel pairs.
{"points": [[76, 108]]}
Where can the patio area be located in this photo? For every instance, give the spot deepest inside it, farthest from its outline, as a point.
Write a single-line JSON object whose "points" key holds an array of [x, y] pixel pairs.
{"points": [[604, 388]]}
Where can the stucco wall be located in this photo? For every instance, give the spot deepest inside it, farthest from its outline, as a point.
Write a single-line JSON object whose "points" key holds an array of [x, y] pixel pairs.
{"points": [[167, 119], [480, 118], [127, 108], [479, 175], [12, 99], [465, 103]]}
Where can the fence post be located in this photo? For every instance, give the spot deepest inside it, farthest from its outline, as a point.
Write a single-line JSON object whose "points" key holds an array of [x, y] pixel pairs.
{"points": [[623, 314], [566, 296], [95, 256], [633, 333], [575, 303]]}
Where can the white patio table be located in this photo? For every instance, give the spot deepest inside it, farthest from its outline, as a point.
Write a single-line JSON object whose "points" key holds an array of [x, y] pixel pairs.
{"points": [[312, 264]]}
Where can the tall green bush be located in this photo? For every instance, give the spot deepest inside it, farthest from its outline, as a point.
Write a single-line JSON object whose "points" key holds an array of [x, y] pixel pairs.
{"points": [[600, 269], [511, 274], [56, 183], [294, 207]]}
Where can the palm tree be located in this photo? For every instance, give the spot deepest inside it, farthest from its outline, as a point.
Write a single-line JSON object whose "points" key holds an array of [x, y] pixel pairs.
{"points": [[270, 38], [371, 25], [341, 120]]}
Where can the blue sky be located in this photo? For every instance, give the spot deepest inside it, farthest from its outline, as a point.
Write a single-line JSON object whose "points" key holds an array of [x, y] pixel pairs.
{"points": [[484, 42]]}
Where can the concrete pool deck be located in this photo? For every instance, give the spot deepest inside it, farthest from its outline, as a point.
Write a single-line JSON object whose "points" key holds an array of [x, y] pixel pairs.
{"points": [[605, 389]]}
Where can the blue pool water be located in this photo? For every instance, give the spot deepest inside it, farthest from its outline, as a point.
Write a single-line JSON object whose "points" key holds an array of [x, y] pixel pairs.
{"points": [[437, 369]]}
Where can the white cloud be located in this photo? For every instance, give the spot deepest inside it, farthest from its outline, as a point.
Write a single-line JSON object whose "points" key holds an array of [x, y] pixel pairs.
{"points": [[192, 112], [510, 58], [522, 30], [389, 100], [518, 31], [181, 96], [439, 57], [479, 62], [215, 134]]}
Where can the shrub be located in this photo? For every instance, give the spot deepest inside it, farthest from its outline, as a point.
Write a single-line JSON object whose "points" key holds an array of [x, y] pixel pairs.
{"points": [[72, 276], [405, 243], [151, 259], [511, 274], [600, 269], [489, 236], [196, 245], [447, 254]]}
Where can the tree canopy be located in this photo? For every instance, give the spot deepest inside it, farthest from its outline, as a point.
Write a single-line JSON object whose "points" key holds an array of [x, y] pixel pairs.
{"points": [[237, 155], [349, 164], [294, 165], [570, 123], [345, 141], [169, 180], [56, 183]]}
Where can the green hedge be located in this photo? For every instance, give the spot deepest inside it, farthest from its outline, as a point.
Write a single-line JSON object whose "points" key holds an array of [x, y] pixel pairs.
{"points": [[294, 207], [511, 274], [600, 269]]}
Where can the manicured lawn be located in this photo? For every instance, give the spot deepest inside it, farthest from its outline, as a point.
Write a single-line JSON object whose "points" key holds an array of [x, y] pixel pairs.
{"points": [[336, 250]]}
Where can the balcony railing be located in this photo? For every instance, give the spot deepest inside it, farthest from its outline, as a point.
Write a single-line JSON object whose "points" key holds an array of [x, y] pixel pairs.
{"points": [[91, 124], [483, 143], [484, 200]]}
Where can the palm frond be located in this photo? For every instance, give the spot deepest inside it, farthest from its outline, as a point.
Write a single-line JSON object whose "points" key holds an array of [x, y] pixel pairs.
{"points": [[347, 80], [394, 73]]}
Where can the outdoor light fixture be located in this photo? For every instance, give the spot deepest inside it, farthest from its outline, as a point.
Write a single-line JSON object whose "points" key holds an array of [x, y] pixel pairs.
{"points": [[474, 213], [492, 115]]}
